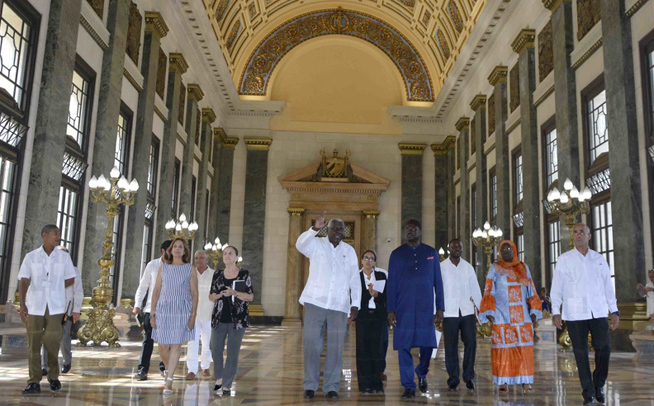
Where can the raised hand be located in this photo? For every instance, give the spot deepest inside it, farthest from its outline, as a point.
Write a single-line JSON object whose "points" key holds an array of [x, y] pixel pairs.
{"points": [[320, 221]]}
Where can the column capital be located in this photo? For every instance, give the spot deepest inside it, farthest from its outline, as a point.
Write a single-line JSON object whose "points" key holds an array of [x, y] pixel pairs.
{"points": [[371, 214], [208, 116], [229, 142], [154, 22], [552, 5], [524, 40], [257, 144], [478, 102], [444, 148], [177, 62], [411, 149], [195, 91], [498, 75], [462, 124], [295, 212]]}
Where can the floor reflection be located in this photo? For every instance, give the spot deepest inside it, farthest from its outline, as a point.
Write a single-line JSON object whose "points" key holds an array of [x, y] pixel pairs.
{"points": [[271, 373]]}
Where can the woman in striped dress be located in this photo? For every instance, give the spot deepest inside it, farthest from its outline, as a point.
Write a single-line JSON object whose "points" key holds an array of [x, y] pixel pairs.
{"points": [[174, 305]]}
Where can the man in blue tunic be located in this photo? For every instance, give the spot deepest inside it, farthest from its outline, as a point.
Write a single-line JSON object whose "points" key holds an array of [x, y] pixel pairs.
{"points": [[414, 274]]}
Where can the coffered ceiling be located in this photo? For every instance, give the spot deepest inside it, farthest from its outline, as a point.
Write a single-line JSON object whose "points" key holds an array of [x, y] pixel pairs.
{"points": [[421, 37]]}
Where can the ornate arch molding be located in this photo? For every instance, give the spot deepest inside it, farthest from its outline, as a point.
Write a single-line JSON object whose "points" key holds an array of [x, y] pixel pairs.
{"points": [[264, 59]]}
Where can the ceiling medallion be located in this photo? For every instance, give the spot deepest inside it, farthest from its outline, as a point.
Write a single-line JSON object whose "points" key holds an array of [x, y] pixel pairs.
{"points": [[262, 62]]}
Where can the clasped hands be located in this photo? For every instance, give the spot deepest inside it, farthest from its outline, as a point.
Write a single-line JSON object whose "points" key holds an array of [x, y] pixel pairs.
{"points": [[223, 293], [392, 318]]}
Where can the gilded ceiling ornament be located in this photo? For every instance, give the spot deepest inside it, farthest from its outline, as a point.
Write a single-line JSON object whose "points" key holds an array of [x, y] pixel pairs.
{"points": [[407, 3], [426, 16], [442, 44], [455, 16], [264, 59], [231, 40], [222, 8]]}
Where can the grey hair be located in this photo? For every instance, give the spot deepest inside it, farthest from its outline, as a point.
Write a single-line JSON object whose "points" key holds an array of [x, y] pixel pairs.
{"points": [[588, 230], [200, 252], [335, 220]]}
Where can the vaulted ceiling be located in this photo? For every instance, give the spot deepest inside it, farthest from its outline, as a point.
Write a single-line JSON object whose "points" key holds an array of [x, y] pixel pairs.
{"points": [[422, 38]]}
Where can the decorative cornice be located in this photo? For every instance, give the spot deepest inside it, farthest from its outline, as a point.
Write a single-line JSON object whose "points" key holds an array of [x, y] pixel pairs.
{"points": [[637, 5], [544, 96], [131, 80], [498, 75], [208, 116], [524, 40], [411, 149], [587, 54], [462, 124], [552, 5], [93, 33], [177, 62], [195, 92], [371, 214], [295, 212], [154, 22], [478, 102], [225, 141], [257, 144], [444, 148]]}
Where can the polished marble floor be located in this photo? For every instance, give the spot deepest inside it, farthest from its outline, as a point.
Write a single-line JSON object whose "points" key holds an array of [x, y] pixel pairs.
{"points": [[270, 373]]}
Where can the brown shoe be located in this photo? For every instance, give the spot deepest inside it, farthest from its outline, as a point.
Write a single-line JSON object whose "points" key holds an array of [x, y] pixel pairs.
{"points": [[190, 375], [206, 373]]}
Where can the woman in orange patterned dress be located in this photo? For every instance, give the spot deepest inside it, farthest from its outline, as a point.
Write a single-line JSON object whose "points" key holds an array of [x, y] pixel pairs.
{"points": [[512, 305]]}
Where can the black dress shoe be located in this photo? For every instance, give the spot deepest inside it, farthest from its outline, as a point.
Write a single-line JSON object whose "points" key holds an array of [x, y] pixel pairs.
{"points": [[32, 388], [65, 369], [589, 401], [409, 393], [308, 394], [44, 372], [141, 376], [452, 386], [422, 384], [227, 392], [217, 387], [332, 394], [368, 392], [55, 385], [599, 395], [470, 385]]}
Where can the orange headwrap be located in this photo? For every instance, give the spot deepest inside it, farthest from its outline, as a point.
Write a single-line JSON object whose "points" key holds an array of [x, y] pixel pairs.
{"points": [[515, 264]]}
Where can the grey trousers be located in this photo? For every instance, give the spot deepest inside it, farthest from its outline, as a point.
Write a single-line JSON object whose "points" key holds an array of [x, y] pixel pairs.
{"points": [[222, 332], [65, 347], [316, 320]]}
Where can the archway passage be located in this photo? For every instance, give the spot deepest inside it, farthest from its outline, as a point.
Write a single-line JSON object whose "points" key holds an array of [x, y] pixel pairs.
{"points": [[255, 78]]}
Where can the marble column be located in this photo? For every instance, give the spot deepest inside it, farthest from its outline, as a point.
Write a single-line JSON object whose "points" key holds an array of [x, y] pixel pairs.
{"points": [[51, 121], [155, 30], [104, 146], [523, 45], [502, 163], [176, 68], [195, 94], [254, 213], [444, 217], [463, 127], [369, 230], [624, 163], [214, 193], [293, 312], [206, 132], [411, 182], [222, 193], [452, 232], [565, 97], [478, 105]]}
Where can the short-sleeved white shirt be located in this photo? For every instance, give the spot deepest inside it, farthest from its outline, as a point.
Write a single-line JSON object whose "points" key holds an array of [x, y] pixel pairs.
{"points": [[47, 275]]}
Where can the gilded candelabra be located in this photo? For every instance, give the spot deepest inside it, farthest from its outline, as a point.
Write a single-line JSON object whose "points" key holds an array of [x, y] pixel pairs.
{"points": [[215, 251], [442, 254], [114, 192], [180, 228], [571, 203], [487, 238]]}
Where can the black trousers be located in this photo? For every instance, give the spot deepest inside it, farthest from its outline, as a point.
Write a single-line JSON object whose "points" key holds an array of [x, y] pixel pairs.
{"points": [[370, 333], [599, 329], [468, 327], [148, 344]]}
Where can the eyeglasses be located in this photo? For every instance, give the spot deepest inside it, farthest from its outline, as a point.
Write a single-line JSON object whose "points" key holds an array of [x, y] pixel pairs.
{"points": [[369, 259]]}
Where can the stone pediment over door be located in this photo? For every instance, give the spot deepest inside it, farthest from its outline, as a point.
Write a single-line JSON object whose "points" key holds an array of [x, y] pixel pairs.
{"points": [[358, 190]]}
